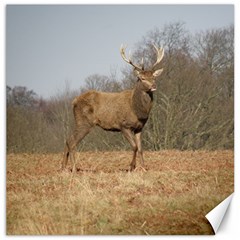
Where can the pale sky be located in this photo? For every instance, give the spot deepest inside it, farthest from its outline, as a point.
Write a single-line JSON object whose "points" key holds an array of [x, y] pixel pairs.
{"points": [[49, 44]]}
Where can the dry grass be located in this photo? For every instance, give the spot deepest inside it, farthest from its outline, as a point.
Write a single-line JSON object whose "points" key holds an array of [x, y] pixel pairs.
{"points": [[172, 197]]}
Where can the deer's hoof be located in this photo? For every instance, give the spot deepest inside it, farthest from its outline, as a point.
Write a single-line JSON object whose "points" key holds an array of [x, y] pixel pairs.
{"points": [[140, 168], [132, 168]]}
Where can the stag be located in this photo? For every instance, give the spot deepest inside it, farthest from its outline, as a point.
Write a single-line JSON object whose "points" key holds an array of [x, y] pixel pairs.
{"points": [[126, 112]]}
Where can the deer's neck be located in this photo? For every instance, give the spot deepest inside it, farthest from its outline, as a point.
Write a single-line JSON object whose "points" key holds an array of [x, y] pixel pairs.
{"points": [[141, 102]]}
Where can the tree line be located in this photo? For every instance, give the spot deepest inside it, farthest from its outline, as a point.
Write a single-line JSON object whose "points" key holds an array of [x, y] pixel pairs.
{"points": [[193, 107]]}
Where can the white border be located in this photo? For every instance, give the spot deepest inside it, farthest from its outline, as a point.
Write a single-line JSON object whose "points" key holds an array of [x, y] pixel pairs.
{"points": [[229, 229]]}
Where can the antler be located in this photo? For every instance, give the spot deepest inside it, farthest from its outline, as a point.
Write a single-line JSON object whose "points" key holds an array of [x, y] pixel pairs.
{"points": [[160, 54], [122, 51]]}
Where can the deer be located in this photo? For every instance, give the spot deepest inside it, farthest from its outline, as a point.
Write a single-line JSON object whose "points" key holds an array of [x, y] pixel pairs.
{"points": [[126, 112]]}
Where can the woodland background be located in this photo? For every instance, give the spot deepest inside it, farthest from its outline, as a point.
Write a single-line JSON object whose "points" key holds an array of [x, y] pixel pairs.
{"points": [[193, 107]]}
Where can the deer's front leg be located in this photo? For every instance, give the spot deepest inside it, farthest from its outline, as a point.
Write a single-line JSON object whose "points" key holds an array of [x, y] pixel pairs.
{"points": [[127, 133], [139, 147]]}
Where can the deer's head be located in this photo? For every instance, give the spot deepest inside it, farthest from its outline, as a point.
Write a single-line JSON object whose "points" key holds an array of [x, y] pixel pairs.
{"points": [[147, 77]]}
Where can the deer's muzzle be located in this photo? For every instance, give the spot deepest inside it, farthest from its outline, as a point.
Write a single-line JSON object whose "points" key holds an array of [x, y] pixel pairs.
{"points": [[153, 88]]}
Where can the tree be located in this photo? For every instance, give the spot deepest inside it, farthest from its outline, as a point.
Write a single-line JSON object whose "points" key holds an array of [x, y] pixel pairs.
{"points": [[21, 96], [101, 83], [193, 106]]}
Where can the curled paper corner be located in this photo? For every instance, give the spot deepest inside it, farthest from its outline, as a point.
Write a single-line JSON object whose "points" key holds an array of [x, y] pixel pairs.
{"points": [[215, 216]]}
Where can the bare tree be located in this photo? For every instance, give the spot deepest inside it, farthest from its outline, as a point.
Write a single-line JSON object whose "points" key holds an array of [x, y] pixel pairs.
{"points": [[26, 128], [192, 109], [194, 104], [59, 114], [101, 83], [21, 96]]}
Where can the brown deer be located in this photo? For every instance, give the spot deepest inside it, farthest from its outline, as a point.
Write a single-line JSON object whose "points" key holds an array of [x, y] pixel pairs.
{"points": [[125, 112]]}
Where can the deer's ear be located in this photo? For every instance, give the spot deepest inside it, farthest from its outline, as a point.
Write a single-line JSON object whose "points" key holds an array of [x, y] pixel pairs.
{"points": [[157, 73]]}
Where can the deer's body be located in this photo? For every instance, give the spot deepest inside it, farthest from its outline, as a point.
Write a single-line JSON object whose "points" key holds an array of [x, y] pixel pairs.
{"points": [[125, 112], [114, 111]]}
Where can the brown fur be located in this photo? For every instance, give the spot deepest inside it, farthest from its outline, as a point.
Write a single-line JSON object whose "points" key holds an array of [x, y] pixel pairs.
{"points": [[125, 112]]}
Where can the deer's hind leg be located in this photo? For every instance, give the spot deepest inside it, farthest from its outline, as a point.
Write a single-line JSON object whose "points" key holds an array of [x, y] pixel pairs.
{"points": [[70, 148]]}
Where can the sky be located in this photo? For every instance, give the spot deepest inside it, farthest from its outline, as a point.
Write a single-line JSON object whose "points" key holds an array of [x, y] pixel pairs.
{"points": [[47, 45]]}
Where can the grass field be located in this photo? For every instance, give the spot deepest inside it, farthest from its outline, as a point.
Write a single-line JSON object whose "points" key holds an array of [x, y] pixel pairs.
{"points": [[172, 197]]}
